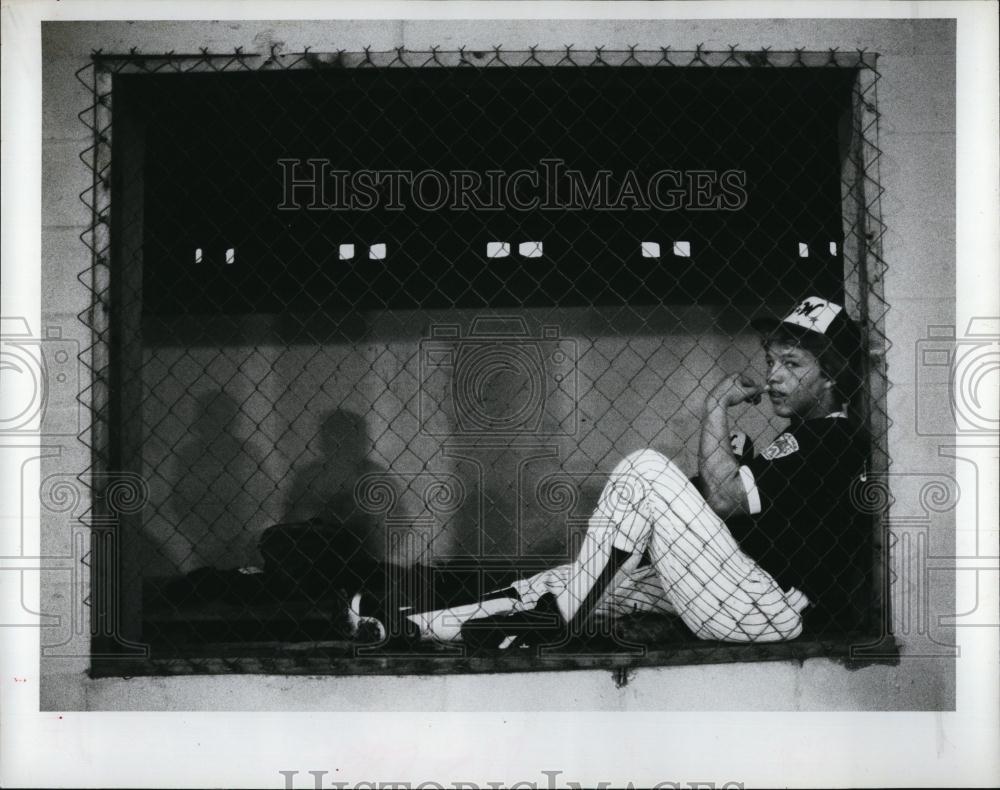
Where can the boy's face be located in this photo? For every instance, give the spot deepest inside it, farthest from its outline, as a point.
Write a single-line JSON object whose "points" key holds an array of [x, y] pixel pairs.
{"points": [[796, 384]]}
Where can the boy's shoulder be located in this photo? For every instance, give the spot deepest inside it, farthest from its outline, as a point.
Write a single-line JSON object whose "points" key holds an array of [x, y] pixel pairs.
{"points": [[834, 435]]}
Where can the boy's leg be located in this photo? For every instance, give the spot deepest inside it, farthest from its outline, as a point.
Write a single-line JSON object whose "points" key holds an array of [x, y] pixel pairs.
{"points": [[617, 528], [718, 591], [703, 576], [638, 591], [631, 592]]}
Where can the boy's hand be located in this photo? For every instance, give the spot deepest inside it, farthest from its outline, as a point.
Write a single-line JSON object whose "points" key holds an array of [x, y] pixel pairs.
{"points": [[734, 389]]}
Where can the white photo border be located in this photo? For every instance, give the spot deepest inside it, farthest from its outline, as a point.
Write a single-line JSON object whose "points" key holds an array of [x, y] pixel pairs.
{"points": [[249, 749]]}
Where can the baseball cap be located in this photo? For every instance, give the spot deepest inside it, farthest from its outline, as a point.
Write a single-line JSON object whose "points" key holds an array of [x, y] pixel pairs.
{"points": [[815, 319]]}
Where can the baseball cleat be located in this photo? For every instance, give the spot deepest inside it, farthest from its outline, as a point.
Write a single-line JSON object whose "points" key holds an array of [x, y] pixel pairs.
{"points": [[541, 625], [361, 627], [370, 621]]}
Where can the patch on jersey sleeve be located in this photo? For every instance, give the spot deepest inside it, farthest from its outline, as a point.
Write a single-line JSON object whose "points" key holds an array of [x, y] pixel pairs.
{"points": [[784, 445]]}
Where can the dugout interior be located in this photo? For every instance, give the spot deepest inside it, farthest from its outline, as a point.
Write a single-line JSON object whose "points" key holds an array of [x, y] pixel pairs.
{"points": [[445, 390]]}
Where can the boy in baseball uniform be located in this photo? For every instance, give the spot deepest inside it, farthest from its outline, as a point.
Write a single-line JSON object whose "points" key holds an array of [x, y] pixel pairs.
{"points": [[760, 549]]}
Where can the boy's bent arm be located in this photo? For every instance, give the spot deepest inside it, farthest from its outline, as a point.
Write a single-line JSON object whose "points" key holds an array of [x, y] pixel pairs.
{"points": [[717, 464]]}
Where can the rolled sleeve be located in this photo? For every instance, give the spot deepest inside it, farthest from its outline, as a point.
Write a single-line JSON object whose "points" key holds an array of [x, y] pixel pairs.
{"points": [[750, 487]]}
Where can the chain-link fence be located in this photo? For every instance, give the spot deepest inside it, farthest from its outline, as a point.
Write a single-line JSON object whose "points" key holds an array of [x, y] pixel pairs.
{"points": [[377, 329]]}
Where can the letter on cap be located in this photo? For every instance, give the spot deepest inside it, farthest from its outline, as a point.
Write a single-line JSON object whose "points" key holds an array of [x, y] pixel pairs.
{"points": [[814, 314]]}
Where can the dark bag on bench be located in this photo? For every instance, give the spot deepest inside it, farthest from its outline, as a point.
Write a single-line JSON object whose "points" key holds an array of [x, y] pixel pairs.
{"points": [[314, 559]]}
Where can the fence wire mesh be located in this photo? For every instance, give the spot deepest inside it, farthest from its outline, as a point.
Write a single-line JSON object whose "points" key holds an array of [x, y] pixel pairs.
{"points": [[373, 331]]}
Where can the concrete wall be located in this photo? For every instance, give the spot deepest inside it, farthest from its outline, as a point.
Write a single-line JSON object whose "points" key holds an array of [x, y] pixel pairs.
{"points": [[244, 436], [916, 99]]}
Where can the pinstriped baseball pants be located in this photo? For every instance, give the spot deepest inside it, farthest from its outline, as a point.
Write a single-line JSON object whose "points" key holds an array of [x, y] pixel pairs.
{"points": [[697, 569]]}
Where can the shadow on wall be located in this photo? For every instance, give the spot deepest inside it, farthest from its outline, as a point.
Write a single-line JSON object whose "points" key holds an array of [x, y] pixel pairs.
{"points": [[324, 489], [249, 458], [216, 471]]}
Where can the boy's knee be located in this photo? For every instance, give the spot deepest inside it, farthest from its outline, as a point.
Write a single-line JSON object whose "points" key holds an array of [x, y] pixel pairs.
{"points": [[644, 463], [649, 470], [632, 481]]}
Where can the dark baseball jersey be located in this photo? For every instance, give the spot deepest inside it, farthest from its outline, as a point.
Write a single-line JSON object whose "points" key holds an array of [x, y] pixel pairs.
{"points": [[805, 529]]}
